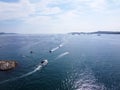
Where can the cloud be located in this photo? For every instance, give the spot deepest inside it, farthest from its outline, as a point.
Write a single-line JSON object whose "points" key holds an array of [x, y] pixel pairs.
{"points": [[49, 11], [15, 10], [62, 15], [24, 8], [98, 4], [117, 2]]}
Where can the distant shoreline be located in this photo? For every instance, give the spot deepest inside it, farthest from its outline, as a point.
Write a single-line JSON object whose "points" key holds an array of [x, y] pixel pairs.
{"points": [[98, 32], [2, 33], [75, 33]]}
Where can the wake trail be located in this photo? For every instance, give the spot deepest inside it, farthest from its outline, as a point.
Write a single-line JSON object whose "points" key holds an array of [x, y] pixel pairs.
{"points": [[59, 46], [62, 55], [24, 75], [54, 49]]}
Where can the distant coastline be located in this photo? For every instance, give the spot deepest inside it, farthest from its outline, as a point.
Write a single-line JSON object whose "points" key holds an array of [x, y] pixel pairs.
{"points": [[98, 32], [3, 33], [77, 33]]}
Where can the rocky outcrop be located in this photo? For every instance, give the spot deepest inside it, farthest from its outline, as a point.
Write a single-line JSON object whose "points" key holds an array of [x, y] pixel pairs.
{"points": [[7, 65]]}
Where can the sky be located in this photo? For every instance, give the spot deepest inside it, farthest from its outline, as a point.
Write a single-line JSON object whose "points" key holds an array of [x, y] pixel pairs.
{"points": [[59, 16]]}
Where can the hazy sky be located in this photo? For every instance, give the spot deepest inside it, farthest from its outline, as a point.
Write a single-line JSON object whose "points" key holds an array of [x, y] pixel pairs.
{"points": [[59, 16]]}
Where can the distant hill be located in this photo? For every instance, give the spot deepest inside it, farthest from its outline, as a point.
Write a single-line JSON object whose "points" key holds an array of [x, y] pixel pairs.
{"points": [[2, 33], [106, 32], [98, 32]]}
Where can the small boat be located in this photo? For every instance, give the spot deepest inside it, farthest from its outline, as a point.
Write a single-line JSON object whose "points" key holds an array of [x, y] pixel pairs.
{"points": [[44, 62], [60, 45], [31, 52], [50, 51]]}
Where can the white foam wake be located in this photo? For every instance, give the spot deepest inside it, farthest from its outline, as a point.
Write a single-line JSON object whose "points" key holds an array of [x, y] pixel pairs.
{"points": [[35, 70], [54, 49], [62, 55], [24, 75]]}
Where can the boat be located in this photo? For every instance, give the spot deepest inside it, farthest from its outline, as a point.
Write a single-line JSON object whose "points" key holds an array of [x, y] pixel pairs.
{"points": [[44, 62]]}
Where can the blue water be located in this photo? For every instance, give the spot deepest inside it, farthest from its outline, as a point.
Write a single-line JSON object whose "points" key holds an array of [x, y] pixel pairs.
{"points": [[77, 62]]}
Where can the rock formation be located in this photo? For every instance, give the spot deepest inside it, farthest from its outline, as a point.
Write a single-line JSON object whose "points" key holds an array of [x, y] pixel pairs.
{"points": [[7, 65]]}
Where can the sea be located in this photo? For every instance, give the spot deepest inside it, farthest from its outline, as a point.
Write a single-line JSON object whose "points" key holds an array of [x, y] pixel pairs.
{"points": [[75, 62]]}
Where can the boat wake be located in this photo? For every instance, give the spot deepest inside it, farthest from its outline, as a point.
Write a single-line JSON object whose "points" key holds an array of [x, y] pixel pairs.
{"points": [[54, 49], [39, 67], [62, 55]]}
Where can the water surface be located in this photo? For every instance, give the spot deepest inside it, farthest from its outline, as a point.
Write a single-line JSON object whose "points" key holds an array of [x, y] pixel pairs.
{"points": [[77, 62]]}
